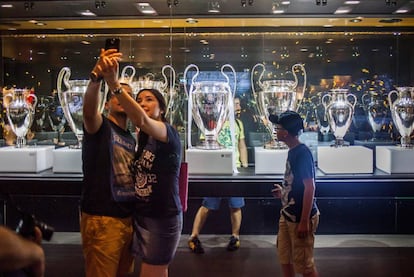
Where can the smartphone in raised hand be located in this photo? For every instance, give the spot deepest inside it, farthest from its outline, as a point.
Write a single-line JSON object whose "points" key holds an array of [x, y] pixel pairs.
{"points": [[112, 43]]}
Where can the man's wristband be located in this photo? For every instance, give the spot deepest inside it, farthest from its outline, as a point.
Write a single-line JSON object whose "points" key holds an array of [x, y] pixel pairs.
{"points": [[95, 78], [117, 91]]}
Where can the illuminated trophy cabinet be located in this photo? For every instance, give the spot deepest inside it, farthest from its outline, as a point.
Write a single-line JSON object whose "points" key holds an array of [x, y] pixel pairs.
{"points": [[339, 157], [20, 109], [273, 98], [210, 105], [399, 159], [71, 94]]}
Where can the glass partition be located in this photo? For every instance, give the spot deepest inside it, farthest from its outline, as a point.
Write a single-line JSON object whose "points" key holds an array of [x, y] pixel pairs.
{"points": [[368, 63]]}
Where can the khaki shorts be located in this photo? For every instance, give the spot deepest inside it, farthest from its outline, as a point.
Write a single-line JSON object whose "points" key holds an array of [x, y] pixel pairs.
{"points": [[106, 243], [294, 250]]}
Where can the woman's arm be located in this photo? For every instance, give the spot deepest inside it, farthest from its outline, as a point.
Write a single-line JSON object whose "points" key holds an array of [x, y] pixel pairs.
{"points": [[135, 112]]}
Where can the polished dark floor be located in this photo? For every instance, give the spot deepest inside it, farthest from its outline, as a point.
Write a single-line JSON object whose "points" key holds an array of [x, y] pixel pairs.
{"points": [[335, 255]]}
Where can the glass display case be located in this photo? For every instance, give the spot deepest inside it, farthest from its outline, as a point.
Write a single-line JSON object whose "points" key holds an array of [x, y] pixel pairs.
{"points": [[368, 53]]}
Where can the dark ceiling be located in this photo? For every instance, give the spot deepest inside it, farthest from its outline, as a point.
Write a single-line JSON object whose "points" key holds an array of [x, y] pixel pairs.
{"points": [[186, 8], [238, 35]]}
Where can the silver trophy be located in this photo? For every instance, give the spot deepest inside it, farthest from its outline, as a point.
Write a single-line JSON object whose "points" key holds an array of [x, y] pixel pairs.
{"points": [[71, 94], [339, 111], [210, 103], [166, 87], [20, 110], [376, 109], [402, 112], [275, 97]]}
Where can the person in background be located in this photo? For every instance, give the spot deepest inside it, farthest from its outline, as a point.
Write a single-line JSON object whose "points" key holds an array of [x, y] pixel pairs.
{"points": [[158, 211], [18, 253], [299, 216], [107, 152], [213, 203]]}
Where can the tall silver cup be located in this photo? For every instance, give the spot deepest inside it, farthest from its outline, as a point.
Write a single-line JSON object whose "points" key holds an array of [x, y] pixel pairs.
{"points": [[275, 97], [339, 111], [20, 110], [208, 105], [402, 113], [71, 94]]}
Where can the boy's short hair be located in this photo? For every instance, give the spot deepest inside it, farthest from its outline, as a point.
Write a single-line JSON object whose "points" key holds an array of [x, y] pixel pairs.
{"points": [[290, 121]]}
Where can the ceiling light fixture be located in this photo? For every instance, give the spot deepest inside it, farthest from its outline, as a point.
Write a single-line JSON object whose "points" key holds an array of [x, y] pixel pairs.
{"points": [[391, 2], [321, 2], [172, 2], [145, 8], [343, 10], [28, 6], [100, 4], [213, 7], [87, 13], [278, 6]]}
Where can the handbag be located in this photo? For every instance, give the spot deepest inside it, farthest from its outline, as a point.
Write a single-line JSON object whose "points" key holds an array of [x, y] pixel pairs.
{"points": [[183, 185]]}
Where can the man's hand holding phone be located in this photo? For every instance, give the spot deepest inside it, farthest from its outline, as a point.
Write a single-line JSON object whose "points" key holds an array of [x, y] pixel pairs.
{"points": [[108, 56], [277, 191]]}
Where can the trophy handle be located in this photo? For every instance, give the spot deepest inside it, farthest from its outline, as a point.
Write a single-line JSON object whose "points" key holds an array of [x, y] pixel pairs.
{"points": [[255, 93], [259, 81], [8, 95], [125, 77], [391, 103], [192, 79], [353, 103], [296, 77], [364, 101], [227, 77], [34, 100], [63, 78], [172, 77], [190, 100], [325, 102]]}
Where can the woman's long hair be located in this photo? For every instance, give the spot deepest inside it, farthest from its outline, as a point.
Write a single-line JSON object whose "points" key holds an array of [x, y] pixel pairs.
{"points": [[143, 137]]}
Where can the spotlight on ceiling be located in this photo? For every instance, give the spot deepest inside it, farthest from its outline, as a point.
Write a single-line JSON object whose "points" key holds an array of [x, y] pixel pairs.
{"points": [[243, 3], [321, 2], [145, 8], [172, 2], [213, 7], [28, 6], [100, 4], [391, 2]]}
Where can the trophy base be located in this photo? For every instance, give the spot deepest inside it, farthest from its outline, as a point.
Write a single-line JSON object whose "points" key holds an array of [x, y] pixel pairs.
{"points": [[67, 160], [31, 159], [209, 146], [345, 160], [270, 161], [394, 159], [209, 161]]}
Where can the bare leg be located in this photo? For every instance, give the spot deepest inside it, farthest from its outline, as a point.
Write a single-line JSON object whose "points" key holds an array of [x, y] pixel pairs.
{"points": [[148, 270], [236, 218], [199, 221]]}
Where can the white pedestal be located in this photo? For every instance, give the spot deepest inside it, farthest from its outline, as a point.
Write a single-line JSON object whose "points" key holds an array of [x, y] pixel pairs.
{"points": [[394, 159], [209, 161], [347, 159], [270, 161], [67, 160], [26, 159]]}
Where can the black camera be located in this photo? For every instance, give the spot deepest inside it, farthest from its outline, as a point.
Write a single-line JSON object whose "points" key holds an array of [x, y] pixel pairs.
{"points": [[27, 224]]}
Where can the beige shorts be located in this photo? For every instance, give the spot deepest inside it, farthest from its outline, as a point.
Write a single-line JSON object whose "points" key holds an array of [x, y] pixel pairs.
{"points": [[106, 243], [294, 250]]}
